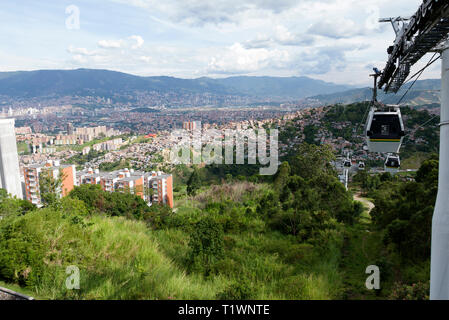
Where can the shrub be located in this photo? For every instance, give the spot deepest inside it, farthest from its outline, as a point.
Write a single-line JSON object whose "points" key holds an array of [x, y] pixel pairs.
{"points": [[206, 244], [239, 290], [34, 246], [416, 291], [116, 257], [110, 203]]}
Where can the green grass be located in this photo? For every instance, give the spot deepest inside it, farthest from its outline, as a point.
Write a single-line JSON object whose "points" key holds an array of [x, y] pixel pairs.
{"points": [[276, 266], [125, 259], [362, 248], [142, 139], [80, 147], [135, 268], [117, 258], [23, 148], [414, 161]]}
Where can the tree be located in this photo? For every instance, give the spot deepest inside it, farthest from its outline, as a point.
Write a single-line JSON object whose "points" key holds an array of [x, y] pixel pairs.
{"points": [[405, 210], [10, 206], [111, 203], [282, 175], [311, 161], [428, 172], [149, 192], [50, 186], [157, 215], [194, 183], [206, 244]]}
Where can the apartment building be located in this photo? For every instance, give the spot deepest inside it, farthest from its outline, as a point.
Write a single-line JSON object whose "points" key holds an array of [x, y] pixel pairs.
{"points": [[162, 186], [68, 140], [92, 131], [95, 132], [70, 129], [189, 125], [32, 175], [82, 135], [108, 181], [86, 150], [130, 183], [23, 130], [109, 145], [41, 149], [153, 187]]}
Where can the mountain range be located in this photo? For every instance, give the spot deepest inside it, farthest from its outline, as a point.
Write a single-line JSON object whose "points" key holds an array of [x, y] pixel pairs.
{"points": [[423, 92], [106, 83], [81, 82]]}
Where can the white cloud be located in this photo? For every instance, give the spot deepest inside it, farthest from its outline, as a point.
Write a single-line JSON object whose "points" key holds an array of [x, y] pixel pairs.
{"points": [[338, 28], [138, 41], [134, 42], [110, 44], [145, 59], [80, 59], [200, 13], [80, 51], [238, 59], [281, 36]]}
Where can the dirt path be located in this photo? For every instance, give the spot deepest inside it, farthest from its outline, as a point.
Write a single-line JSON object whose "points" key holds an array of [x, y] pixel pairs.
{"points": [[368, 204]]}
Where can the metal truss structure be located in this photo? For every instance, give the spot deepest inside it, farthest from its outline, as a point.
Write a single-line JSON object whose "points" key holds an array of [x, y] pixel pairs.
{"points": [[415, 36]]}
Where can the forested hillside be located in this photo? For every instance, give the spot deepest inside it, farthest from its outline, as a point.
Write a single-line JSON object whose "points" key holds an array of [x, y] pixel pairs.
{"points": [[232, 235]]}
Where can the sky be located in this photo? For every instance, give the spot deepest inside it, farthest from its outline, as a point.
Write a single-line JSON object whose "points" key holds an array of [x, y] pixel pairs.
{"points": [[338, 41]]}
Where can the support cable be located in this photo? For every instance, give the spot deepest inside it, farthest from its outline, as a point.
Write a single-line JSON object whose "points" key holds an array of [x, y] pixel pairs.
{"points": [[419, 127], [418, 74]]}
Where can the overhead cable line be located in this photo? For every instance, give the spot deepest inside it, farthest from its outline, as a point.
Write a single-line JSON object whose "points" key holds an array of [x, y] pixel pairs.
{"points": [[419, 73], [420, 126]]}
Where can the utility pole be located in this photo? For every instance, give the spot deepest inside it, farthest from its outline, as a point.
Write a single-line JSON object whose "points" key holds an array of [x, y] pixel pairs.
{"points": [[346, 178], [439, 266]]}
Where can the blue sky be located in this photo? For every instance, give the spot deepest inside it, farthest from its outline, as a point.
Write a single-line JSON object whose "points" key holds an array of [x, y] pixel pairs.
{"points": [[333, 40]]}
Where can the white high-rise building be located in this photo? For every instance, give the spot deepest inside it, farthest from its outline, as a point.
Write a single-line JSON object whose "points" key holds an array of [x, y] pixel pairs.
{"points": [[9, 159]]}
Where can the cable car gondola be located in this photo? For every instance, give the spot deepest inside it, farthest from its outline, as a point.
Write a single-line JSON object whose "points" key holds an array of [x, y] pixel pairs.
{"points": [[392, 164], [384, 129], [361, 165], [347, 163]]}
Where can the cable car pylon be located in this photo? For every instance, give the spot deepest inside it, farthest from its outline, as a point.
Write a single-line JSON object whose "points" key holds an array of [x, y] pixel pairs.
{"points": [[439, 258], [427, 31]]}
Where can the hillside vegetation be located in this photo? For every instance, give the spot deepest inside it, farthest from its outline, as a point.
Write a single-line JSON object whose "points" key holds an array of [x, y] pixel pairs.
{"points": [[297, 235]]}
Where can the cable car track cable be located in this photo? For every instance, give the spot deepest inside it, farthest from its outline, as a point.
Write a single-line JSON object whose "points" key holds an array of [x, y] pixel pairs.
{"points": [[431, 61], [419, 72], [419, 127], [364, 118]]}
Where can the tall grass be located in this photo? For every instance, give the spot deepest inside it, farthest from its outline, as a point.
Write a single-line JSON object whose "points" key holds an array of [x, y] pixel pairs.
{"points": [[124, 259], [117, 260], [229, 191]]}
